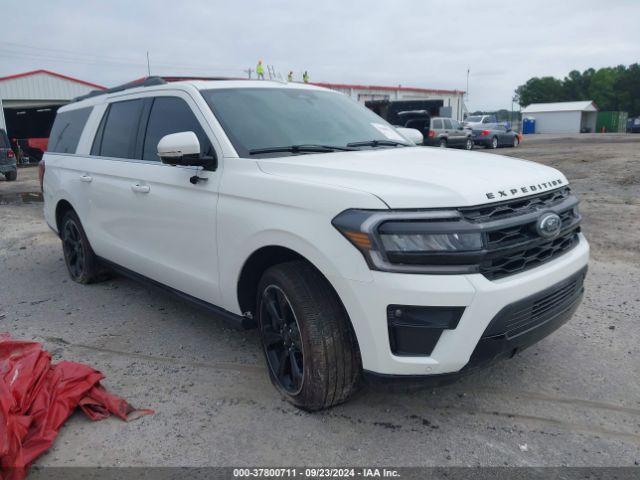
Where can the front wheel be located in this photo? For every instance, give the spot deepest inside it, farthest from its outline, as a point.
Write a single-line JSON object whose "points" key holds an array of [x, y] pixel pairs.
{"points": [[11, 176], [310, 351], [442, 143]]}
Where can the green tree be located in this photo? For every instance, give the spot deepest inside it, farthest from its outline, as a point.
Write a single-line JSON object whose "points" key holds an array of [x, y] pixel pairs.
{"points": [[540, 90]]}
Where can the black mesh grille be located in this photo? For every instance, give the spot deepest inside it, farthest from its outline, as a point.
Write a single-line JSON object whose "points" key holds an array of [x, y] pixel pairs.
{"points": [[521, 317], [511, 208], [518, 247]]}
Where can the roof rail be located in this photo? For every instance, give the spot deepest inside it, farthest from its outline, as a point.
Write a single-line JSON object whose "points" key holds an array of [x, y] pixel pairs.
{"points": [[144, 82]]}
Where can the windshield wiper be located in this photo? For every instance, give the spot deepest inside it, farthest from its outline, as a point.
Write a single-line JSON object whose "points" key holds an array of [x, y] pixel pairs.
{"points": [[377, 143], [300, 149]]}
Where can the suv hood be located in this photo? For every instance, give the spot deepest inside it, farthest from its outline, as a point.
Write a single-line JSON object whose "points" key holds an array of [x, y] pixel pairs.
{"points": [[420, 177]]}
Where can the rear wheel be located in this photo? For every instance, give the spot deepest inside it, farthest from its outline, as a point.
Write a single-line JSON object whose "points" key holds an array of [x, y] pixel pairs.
{"points": [[442, 143], [306, 337], [469, 144], [494, 143], [11, 176], [82, 263]]}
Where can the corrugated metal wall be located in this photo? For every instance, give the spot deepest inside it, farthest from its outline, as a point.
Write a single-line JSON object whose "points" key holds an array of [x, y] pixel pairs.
{"points": [[557, 122], [41, 86]]}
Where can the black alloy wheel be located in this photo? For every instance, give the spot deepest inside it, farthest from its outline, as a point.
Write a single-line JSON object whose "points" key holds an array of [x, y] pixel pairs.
{"points": [[74, 254], [281, 339], [82, 264]]}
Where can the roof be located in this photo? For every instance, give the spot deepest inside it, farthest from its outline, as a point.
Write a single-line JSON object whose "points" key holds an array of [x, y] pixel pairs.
{"points": [[582, 106], [53, 74], [386, 88]]}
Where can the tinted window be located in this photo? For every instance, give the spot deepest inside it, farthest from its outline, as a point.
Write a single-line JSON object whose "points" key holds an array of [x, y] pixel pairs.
{"points": [[66, 130], [474, 119], [455, 124], [485, 120], [437, 123], [171, 115], [120, 129], [447, 124], [95, 148], [257, 118], [4, 140]]}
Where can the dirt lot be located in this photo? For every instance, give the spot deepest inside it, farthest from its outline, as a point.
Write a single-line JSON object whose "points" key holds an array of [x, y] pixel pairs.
{"points": [[572, 399]]}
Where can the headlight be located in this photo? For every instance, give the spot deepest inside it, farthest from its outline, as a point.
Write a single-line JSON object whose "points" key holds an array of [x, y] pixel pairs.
{"points": [[421, 242]]}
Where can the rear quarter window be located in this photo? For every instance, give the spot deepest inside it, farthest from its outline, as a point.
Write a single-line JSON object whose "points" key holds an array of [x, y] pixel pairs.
{"points": [[66, 130], [437, 124]]}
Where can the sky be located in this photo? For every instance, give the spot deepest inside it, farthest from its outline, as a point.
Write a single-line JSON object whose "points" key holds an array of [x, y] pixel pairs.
{"points": [[420, 43]]}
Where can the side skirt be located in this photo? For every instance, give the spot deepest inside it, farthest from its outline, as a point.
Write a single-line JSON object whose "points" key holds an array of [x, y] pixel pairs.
{"points": [[233, 320]]}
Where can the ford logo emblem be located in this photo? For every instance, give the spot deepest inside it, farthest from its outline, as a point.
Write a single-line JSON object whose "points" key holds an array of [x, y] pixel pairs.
{"points": [[549, 225]]}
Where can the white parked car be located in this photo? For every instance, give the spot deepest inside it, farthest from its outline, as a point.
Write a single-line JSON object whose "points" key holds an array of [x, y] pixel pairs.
{"points": [[479, 121], [294, 209]]}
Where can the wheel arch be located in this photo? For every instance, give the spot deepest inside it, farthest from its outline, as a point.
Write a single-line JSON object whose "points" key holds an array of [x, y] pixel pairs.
{"points": [[62, 207], [264, 258]]}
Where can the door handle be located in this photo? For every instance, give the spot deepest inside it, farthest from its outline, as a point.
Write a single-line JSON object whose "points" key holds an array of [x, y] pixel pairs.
{"points": [[86, 178], [136, 187]]}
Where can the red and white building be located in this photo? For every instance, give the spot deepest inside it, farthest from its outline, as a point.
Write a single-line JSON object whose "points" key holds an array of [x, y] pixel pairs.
{"points": [[29, 101], [364, 93]]}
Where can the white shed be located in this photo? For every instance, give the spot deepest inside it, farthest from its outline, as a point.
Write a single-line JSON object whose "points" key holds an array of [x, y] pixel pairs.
{"points": [[563, 117]]}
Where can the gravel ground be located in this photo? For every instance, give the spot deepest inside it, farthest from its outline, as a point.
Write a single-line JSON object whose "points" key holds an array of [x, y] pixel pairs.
{"points": [[572, 399]]}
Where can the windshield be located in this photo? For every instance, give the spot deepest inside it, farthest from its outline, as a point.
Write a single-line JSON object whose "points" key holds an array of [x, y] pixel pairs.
{"points": [[473, 119], [258, 119]]}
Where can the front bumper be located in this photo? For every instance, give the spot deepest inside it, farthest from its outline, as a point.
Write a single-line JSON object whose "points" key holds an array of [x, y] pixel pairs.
{"points": [[456, 349]]}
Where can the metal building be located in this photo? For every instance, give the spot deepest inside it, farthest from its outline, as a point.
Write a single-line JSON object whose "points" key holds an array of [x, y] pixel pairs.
{"points": [[563, 117], [452, 100], [29, 101]]}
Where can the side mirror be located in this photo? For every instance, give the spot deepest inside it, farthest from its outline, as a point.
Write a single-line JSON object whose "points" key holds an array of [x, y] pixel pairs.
{"points": [[411, 134], [182, 148]]}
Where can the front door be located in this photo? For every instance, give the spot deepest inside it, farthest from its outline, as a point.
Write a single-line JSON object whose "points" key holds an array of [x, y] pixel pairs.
{"points": [[151, 218]]}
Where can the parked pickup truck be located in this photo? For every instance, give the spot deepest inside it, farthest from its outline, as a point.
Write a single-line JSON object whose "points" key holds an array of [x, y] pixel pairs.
{"points": [[297, 211]]}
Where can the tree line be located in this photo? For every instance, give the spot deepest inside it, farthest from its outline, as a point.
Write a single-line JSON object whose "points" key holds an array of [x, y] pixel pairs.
{"points": [[612, 88]]}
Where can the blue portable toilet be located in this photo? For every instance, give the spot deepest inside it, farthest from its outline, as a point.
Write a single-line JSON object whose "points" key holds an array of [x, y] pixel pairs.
{"points": [[528, 125]]}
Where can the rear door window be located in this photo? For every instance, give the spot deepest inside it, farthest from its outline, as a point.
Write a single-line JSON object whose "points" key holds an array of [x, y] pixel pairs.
{"points": [[120, 129], [447, 124], [172, 115], [66, 130], [437, 124]]}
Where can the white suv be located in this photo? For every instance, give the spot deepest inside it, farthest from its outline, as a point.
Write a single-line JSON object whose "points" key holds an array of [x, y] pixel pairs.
{"points": [[295, 210]]}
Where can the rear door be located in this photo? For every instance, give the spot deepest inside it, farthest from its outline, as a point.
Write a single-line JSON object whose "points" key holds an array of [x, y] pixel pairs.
{"points": [[151, 218], [453, 135]]}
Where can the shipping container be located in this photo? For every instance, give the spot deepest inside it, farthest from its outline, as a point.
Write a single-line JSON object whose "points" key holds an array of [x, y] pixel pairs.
{"points": [[611, 122]]}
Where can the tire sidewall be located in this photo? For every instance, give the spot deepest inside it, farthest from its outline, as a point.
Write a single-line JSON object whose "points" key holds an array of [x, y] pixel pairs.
{"points": [[494, 143], [85, 276], [272, 277]]}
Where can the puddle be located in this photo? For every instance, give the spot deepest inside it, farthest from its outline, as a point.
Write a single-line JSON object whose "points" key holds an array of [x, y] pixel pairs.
{"points": [[23, 197]]}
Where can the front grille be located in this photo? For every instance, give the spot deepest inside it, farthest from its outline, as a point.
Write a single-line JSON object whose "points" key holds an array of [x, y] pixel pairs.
{"points": [[512, 208], [525, 315], [512, 242]]}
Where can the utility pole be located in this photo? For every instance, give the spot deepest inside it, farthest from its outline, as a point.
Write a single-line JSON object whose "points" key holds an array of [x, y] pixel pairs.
{"points": [[467, 89], [248, 71], [148, 65]]}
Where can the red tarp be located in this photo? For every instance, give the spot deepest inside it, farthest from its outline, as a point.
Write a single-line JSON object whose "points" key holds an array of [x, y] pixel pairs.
{"points": [[36, 397]]}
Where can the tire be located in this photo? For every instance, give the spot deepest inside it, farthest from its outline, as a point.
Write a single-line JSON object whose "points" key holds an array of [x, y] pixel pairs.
{"points": [[310, 350], [469, 144], [516, 142], [11, 176], [82, 263], [494, 143], [442, 143]]}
